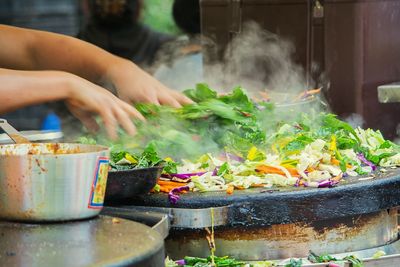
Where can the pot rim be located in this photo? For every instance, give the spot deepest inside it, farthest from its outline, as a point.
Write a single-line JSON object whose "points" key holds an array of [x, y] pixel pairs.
{"points": [[136, 169], [99, 149]]}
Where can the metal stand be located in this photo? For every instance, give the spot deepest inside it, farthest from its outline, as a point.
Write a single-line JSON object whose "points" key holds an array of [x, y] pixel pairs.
{"points": [[389, 93], [102, 241]]}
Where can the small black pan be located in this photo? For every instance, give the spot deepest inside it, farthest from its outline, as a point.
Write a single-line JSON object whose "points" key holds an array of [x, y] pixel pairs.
{"points": [[126, 184]]}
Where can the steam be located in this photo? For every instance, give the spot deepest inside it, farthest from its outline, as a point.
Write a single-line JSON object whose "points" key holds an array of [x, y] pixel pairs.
{"points": [[259, 60], [256, 60], [178, 140], [355, 120]]}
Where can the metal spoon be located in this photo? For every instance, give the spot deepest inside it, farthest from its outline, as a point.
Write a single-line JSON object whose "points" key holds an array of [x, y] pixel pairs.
{"points": [[13, 133]]}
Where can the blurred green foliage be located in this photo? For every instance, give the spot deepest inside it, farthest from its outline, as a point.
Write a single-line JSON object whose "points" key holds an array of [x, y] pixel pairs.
{"points": [[158, 15]]}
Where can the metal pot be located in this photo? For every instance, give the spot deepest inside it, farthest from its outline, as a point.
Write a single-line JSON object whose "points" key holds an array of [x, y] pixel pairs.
{"points": [[52, 181]]}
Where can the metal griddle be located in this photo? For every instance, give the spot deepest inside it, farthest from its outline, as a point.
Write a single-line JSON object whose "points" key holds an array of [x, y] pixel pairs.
{"points": [[261, 224], [289, 205]]}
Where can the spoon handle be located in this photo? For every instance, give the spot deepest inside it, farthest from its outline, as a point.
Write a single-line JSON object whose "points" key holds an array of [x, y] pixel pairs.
{"points": [[12, 132]]}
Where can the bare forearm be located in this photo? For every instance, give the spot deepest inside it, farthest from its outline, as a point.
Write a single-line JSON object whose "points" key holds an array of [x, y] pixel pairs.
{"points": [[38, 50], [22, 88], [24, 49], [83, 98]]}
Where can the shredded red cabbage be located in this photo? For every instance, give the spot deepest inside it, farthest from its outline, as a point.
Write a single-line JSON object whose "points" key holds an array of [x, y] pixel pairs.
{"points": [[361, 157], [173, 196], [321, 184], [180, 262], [215, 171], [234, 157], [326, 183]]}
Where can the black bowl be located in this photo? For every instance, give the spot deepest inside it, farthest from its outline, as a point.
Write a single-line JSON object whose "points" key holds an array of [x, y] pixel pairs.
{"points": [[125, 185]]}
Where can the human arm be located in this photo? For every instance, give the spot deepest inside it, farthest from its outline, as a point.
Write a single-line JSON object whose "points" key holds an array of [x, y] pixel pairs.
{"points": [[83, 98], [38, 50]]}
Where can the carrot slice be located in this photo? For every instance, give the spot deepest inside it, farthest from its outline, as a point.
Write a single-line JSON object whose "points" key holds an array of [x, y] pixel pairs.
{"points": [[335, 161], [166, 186], [308, 93], [239, 187], [257, 185], [274, 170], [338, 177], [230, 189], [170, 183], [314, 91], [310, 169]]}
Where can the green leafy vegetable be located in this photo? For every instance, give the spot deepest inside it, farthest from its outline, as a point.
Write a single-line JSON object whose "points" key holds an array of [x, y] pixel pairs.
{"points": [[294, 263], [206, 262], [239, 99], [254, 131], [224, 169], [379, 254], [121, 159], [170, 166], [201, 93], [354, 261], [314, 258]]}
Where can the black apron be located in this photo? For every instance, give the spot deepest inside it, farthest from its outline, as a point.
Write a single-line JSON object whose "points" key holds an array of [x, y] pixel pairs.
{"points": [[135, 42]]}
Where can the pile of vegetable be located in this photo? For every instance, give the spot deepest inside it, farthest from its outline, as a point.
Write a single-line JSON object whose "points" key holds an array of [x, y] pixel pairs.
{"points": [[330, 260], [120, 159], [232, 142], [206, 262], [296, 155]]}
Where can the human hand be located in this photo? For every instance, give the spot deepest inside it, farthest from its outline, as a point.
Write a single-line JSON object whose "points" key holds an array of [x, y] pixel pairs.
{"points": [[134, 85], [86, 99]]}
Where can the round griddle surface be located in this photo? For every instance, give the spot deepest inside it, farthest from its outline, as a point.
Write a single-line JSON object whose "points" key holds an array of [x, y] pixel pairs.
{"points": [[101, 241], [355, 195]]}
